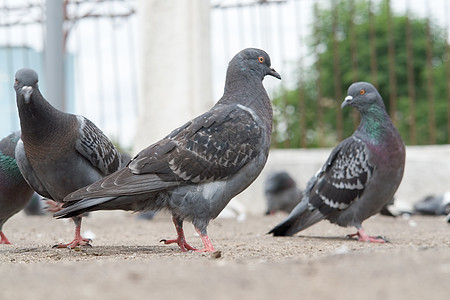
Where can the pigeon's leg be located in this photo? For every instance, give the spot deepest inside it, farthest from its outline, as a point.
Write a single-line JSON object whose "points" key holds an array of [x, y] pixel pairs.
{"points": [[363, 237], [208, 245], [180, 240], [78, 240], [3, 239], [52, 206]]}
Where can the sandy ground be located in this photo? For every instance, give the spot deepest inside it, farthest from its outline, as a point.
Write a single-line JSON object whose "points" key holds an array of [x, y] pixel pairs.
{"points": [[128, 262]]}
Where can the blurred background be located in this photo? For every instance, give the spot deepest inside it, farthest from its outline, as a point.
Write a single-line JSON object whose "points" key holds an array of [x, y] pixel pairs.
{"points": [[139, 68]]}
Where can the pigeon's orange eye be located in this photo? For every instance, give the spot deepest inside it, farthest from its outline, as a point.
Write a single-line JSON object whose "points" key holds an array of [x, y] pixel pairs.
{"points": [[261, 59], [362, 92], [16, 81]]}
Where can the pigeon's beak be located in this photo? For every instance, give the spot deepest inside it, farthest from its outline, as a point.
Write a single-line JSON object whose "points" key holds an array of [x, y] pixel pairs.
{"points": [[26, 92], [274, 73], [347, 101]]}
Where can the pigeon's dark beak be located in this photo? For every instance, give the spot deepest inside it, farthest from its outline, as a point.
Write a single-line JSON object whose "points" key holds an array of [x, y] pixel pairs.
{"points": [[26, 92], [274, 73], [347, 101]]}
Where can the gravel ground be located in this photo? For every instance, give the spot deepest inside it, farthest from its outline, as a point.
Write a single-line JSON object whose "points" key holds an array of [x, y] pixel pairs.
{"points": [[128, 262]]}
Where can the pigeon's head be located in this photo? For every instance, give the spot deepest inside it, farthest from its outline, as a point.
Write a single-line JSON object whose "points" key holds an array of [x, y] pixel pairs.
{"points": [[253, 60], [25, 83], [362, 95]]}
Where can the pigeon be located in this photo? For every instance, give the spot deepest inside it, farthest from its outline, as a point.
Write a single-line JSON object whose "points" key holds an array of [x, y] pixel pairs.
{"points": [[361, 174], [35, 206], [58, 152], [281, 192], [199, 167], [434, 205], [15, 193]]}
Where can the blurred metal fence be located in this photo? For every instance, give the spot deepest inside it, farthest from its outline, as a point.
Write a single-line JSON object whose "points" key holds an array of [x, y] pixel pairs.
{"points": [[101, 51], [100, 60]]}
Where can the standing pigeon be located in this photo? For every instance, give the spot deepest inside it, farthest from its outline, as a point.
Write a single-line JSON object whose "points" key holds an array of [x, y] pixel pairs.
{"points": [[196, 170], [360, 176], [15, 193], [58, 152], [281, 192]]}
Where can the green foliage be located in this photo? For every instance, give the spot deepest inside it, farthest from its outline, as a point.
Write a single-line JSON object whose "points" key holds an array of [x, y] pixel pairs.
{"points": [[347, 19]]}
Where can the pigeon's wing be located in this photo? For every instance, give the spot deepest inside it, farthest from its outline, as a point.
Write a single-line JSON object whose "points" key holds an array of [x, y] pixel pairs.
{"points": [[27, 171], [343, 178], [213, 146], [96, 147]]}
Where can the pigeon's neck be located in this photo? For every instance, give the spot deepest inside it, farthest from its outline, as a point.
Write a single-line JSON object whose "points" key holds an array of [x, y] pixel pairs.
{"points": [[40, 120], [8, 165], [247, 89], [375, 124]]}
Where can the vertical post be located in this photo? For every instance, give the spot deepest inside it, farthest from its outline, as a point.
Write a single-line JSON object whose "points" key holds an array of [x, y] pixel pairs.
{"points": [[373, 47], [174, 66], [411, 80], [430, 83], [391, 59], [354, 56], [320, 104], [337, 74], [447, 70], [54, 53]]}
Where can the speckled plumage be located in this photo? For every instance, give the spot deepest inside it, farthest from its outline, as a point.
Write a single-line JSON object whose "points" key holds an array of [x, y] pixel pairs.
{"points": [[361, 175], [58, 152], [14, 191], [196, 170]]}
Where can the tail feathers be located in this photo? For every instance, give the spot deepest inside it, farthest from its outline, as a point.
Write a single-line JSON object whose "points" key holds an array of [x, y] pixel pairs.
{"points": [[72, 209], [300, 218]]}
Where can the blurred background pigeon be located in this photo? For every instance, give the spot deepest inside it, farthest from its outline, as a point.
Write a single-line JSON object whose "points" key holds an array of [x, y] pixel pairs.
{"points": [[196, 170], [282, 193], [35, 206], [58, 152], [14, 191], [361, 174], [434, 205]]}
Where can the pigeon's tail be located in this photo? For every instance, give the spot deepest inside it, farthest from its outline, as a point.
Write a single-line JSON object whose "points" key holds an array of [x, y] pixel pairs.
{"points": [[72, 209], [301, 217]]}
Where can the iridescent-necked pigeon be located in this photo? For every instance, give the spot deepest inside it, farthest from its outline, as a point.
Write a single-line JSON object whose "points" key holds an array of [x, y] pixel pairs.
{"points": [[361, 175], [15, 193]]}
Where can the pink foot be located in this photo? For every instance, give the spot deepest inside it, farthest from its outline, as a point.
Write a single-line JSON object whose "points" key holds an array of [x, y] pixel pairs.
{"points": [[184, 246], [208, 245], [78, 240], [180, 240], [363, 237], [3, 239]]}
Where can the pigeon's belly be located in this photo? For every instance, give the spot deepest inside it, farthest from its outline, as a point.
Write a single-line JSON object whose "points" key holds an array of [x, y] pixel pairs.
{"points": [[61, 177], [377, 194], [203, 202]]}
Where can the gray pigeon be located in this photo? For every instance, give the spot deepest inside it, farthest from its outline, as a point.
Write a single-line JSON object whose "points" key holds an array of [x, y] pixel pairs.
{"points": [[434, 205], [35, 206], [281, 192], [196, 170], [360, 176], [15, 193], [58, 152]]}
